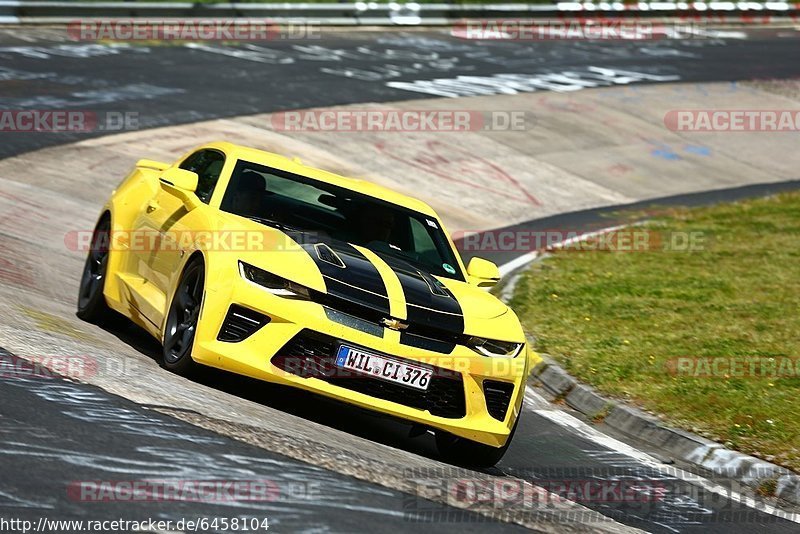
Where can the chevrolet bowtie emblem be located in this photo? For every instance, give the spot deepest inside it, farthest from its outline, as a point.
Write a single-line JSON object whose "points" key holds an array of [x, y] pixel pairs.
{"points": [[394, 324]]}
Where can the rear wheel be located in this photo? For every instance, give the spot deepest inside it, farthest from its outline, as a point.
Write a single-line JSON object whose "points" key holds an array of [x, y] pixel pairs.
{"points": [[182, 319], [465, 452], [92, 304]]}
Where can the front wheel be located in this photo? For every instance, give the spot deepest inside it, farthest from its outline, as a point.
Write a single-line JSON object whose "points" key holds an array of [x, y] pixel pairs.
{"points": [[182, 320], [92, 306], [468, 453]]}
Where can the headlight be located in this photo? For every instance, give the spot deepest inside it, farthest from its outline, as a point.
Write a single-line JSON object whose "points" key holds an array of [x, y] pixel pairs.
{"points": [[492, 348], [273, 283]]}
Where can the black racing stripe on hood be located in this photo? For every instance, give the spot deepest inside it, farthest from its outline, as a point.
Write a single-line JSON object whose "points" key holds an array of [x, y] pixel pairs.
{"points": [[428, 302], [358, 281]]}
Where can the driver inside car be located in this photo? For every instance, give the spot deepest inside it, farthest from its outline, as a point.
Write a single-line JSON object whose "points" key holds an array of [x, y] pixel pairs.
{"points": [[247, 195], [376, 225]]}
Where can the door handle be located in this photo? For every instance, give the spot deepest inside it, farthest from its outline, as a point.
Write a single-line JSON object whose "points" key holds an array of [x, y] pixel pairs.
{"points": [[152, 206]]}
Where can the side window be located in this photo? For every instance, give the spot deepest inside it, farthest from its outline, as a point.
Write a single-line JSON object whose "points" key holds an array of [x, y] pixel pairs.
{"points": [[208, 166], [424, 245]]}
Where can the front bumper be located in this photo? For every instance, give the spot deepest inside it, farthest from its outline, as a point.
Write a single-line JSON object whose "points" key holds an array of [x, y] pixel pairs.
{"points": [[456, 400]]}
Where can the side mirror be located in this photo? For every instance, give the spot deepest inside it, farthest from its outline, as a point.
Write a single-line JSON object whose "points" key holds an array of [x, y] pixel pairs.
{"points": [[483, 273], [182, 184], [152, 164]]}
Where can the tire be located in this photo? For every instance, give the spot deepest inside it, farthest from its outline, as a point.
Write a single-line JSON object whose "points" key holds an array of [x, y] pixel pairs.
{"points": [[467, 453], [182, 320], [92, 306]]}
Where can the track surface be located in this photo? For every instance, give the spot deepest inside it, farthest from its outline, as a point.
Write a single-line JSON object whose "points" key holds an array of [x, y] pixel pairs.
{"points": [[57, 434], [169, 85], [181, 84]]}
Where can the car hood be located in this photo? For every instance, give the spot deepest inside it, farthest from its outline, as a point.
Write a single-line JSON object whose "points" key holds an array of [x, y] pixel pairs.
{"points": [[385, 283]]}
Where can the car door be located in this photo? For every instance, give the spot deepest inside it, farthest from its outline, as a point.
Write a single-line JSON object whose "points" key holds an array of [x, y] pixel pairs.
{"points": [[168, 226]]}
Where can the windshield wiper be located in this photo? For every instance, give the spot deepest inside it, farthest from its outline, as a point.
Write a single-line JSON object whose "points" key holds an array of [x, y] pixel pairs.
{"points": [[274, 224]]}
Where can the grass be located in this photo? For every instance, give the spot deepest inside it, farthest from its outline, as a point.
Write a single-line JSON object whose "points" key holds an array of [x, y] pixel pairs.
{"points": [[619, 320]]}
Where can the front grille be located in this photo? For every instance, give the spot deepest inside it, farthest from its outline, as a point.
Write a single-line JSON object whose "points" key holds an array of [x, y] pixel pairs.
{"points": [[428, 343], [240, 323], [420, 335], [348, 307], [369, 320], [354, 322], [498, 397], [311, 354]]}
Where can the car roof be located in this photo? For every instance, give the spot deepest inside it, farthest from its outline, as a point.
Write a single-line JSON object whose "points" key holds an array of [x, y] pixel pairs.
{"points": [[294, 165]]}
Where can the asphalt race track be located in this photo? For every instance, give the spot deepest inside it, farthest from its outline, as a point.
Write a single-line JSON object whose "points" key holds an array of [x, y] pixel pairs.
{"points": [[162, 84], [56, 431], [54, 428]]}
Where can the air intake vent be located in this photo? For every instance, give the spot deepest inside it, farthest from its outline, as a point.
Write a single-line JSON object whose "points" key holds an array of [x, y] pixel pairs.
{"points": [[240, 323], [326, 254], [498, 397]]}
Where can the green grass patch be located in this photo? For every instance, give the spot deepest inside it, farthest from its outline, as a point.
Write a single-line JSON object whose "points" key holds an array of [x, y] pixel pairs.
{"points": [[621, 320]]}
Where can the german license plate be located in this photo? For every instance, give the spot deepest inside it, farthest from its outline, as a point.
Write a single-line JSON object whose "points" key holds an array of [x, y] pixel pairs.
{"points": [[383, 367]]}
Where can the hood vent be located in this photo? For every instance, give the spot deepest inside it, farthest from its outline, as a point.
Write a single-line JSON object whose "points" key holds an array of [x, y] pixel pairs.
{"points": [[326, 254], [436, 287]]}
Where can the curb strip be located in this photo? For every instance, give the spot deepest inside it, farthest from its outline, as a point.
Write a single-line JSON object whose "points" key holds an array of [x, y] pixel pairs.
{"points": [[691, 448]]}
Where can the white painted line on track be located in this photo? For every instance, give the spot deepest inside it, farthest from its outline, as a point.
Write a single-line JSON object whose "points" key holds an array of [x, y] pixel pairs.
{"points": [[585, 431]]}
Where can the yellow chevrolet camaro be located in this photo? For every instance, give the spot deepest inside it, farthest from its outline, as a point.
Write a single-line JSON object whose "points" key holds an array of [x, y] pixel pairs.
{"points": [[251, 262]]}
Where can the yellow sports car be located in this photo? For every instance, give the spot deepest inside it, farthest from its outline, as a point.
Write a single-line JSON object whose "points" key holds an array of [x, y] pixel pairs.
{"points": [[251, 262]]}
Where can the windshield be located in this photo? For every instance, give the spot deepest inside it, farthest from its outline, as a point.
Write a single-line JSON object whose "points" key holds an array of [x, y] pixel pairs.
{"points": [[293, 202]]}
